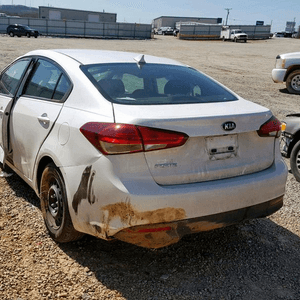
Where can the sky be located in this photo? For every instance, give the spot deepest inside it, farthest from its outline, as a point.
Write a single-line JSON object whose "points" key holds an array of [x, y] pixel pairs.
{"points": [[247, 12]]}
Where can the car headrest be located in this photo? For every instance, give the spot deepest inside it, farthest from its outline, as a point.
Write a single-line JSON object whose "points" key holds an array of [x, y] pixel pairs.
{"points": [[176, 87], [113, 87]]}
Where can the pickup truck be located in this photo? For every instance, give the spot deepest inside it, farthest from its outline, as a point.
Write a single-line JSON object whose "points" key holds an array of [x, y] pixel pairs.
{"points": [[290, 142], [234, 35], [287, 69]]}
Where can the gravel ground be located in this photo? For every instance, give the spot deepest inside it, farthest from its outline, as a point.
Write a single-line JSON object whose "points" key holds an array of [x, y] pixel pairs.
{"points": [[258, 259]]}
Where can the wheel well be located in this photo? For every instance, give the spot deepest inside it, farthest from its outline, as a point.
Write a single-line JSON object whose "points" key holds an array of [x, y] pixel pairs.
{"points": [[294, 142], [42, 165], [290, 70]]}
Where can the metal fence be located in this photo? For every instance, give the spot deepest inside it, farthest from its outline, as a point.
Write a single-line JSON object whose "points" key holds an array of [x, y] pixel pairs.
{"points": [[203, 31], [69, 28], [255, 32], [199, 31]]}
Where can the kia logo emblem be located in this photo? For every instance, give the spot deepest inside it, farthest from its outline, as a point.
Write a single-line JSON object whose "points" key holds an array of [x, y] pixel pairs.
{"points": [[229, 126]]}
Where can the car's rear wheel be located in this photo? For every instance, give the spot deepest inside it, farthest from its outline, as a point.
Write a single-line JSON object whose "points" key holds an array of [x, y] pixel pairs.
{"points": [[11, 34], [295, 161], [55, 207], [293, 82], [28, 35]]}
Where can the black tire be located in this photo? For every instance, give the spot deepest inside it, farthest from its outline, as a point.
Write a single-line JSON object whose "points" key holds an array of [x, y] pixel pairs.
{"points": [[54, 206], [11, 34], [28, 34], [295, 161], [235, 40], [293, 82], [223, 38], [35, 36], [245, 41]]}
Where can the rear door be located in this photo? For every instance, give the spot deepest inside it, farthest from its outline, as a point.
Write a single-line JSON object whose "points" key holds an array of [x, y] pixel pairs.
{"points": [[35, 112]]}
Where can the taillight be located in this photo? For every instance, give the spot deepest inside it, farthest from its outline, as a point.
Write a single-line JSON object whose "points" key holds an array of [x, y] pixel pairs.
{"points": [[111, 138], [154, 139], [271, 128]]}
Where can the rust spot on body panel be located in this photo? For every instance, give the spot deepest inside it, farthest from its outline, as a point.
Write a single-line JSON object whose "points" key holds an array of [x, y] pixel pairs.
{"points": [[149, 240], [129, 216], [205, 226]]}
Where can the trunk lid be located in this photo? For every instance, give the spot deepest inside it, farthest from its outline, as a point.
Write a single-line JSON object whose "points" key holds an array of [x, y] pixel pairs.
{"points": [[211, 152]]}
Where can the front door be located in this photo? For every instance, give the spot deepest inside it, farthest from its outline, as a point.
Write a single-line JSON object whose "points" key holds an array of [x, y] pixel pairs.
{"points": [[10, 80]]}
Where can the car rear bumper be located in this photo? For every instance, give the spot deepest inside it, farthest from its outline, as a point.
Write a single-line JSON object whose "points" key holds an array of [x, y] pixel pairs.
{"points": [[103, 204], [278, 75], [165, 234]]}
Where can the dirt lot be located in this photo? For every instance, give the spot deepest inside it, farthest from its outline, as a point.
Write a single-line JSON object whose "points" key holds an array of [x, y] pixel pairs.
{"points": [[259, 259]]}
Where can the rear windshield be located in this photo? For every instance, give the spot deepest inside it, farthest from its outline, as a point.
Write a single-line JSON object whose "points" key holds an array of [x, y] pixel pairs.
{"points": [[152, 84]]}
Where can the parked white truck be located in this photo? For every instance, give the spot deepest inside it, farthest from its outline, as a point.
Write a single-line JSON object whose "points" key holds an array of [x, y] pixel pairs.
{"points": [[287, 69], [234, 35]]}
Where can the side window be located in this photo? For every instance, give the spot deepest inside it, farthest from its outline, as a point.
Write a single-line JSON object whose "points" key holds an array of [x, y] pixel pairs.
{"points": [[11, 77], [46, 81], [62, 88]]}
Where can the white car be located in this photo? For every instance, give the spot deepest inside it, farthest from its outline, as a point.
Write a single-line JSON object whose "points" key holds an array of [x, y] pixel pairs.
{"points": [[138, 148], [287, 69]]}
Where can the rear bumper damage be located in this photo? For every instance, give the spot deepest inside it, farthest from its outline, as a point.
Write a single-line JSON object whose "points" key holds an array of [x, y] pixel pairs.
{"points": [[139, 211], [165, 234]]}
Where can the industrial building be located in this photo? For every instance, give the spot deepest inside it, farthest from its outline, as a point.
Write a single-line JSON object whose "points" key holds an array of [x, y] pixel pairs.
{"points": [[55, 13], [166, 21]]}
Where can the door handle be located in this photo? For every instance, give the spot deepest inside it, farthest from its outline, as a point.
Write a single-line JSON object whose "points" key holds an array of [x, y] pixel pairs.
{"points": [[44, 120]]}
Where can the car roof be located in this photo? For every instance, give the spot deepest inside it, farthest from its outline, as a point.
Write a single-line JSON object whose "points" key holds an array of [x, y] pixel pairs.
{"points": [[87, 56]]}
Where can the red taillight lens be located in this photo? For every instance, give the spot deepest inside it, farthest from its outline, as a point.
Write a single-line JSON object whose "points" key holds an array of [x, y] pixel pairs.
{"points": [[154, 139], [271, 128], [111, 138]]}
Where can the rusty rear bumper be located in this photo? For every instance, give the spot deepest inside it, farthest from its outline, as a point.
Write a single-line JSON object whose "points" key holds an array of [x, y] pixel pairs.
{"points": [[165, 234]]}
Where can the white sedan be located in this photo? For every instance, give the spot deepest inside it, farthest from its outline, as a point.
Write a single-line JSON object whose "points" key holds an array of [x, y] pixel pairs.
{"points": [[137, 148]]}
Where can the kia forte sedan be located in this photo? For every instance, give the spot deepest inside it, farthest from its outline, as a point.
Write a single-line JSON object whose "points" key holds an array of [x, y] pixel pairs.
{"points": [[135, 147]]}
